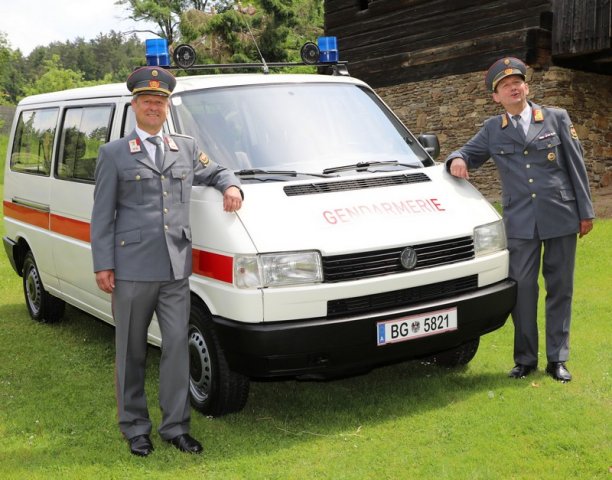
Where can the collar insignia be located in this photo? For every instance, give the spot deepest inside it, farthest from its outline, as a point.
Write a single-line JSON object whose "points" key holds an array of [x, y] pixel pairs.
{"points": [[504, 121], [171, 144], [538, 116], [135, 146]]}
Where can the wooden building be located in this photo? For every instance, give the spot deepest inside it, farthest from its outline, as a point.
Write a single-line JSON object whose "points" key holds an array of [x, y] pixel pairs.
{"points": [[388, 42]]}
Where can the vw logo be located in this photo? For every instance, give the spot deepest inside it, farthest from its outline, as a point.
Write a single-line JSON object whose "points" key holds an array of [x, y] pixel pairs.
{"points": [[408, 258]]}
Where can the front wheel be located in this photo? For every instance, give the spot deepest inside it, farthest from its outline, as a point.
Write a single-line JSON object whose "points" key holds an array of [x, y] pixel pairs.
{"points": [[42, 306], [214, 388], [455, 357]]}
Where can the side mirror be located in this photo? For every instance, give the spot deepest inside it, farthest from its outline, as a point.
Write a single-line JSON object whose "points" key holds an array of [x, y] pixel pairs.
{"points": [[431, 144]]}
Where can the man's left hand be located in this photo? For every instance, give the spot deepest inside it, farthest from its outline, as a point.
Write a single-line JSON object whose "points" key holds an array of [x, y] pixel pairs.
{"points": [[585, 227], [232, 199]]}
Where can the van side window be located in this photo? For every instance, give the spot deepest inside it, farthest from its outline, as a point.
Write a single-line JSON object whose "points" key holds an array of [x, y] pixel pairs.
{"points": [[33, 145], [84, 130], [129, 120]]}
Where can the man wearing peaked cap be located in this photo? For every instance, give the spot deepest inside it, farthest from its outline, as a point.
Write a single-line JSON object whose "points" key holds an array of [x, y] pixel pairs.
{"points": [[503, 68], [142, 256], [546, 204], [152, 81]]}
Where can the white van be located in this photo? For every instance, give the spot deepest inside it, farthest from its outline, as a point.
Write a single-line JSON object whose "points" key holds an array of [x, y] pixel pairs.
{"points": [[353, 248]]}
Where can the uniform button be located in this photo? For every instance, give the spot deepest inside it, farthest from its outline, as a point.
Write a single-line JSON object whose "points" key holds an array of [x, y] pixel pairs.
{"points": [[163, 177], [550, 145], [533, 195], [184, 176], [165, 210], [165, 194], [526, 152], [166, 227], [137, 177], [531, 180], [528, 165], [122, 243]]}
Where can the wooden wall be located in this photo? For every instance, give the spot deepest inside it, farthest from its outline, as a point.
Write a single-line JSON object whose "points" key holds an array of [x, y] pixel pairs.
{"points": [[582, 34], [388, 42]]}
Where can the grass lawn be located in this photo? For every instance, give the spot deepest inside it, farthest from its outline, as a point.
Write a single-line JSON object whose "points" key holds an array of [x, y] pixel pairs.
{"points": [[408, 421]]}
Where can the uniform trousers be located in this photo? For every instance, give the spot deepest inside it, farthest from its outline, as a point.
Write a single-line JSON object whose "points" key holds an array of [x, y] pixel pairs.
{"points": [[558, 260], [133, 306]]}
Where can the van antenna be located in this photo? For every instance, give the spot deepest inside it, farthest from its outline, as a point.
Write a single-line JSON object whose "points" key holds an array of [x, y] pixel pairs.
{"points": [[263, 60]]}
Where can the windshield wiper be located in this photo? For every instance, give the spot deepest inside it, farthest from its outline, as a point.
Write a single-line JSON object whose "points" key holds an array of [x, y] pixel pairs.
{"points": [[289, 173], [363, 166]]}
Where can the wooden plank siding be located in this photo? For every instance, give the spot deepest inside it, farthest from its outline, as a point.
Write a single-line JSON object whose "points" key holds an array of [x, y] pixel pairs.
{"points": [[388, 42], [396, 41]]}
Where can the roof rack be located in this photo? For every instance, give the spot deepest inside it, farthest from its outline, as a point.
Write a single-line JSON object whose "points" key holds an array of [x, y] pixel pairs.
{"points": [[338, 68]]}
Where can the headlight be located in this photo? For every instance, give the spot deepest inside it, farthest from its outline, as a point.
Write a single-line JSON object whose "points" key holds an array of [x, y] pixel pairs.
{"points": [[489, 238], [277, 269]]}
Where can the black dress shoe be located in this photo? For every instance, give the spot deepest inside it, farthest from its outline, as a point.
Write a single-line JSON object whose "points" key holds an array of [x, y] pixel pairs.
{"points": [[186, 443], [521, 371], [141, 445], [558, 371]]}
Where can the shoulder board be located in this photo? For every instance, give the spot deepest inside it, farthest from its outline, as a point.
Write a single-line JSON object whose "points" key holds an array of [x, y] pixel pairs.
{"points": [[180, 135]]}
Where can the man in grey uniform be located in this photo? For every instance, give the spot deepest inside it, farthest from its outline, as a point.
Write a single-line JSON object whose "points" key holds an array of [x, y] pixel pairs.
{"points": [[546, 202], [141, 246]]}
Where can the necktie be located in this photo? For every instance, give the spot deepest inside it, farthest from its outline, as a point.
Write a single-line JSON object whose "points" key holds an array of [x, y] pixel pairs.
{"points": [[159, 153], [519, 126]]}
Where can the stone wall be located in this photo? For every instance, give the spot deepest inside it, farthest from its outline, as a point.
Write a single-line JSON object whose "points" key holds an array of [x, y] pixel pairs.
{"points": [[455, 107]]}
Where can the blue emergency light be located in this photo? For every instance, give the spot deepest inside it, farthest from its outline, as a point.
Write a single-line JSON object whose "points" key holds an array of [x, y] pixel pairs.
{"points": [[156, 50], [328, 46]]}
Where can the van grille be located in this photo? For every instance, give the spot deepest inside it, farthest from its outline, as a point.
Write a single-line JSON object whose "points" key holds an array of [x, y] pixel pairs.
{"points": [[355, 184], [360, 265], [400, 298]]}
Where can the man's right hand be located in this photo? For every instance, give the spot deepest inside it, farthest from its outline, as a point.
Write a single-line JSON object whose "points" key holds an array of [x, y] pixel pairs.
{"points": [[106, 280], [458, 168]]}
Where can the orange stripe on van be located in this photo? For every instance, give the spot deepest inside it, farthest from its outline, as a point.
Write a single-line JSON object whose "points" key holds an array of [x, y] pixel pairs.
{"points": [[70, 227], [26, 214], [206, 264], [213, 265]]}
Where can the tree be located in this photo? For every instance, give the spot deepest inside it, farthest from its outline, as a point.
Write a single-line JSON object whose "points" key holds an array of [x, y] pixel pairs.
{"points": [[164, 13], [58, 78]]}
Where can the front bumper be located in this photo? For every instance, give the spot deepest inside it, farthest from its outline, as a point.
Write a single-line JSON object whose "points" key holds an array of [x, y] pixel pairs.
{"points": [[330, 347]]}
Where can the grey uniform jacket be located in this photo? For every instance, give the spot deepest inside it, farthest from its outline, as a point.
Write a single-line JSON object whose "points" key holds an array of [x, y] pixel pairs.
{"points": [[140, 219], [544, 179]]}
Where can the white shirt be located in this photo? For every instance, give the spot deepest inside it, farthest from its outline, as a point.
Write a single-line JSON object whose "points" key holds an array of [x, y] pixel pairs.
{"points": [[149, 147], [525, 119]]}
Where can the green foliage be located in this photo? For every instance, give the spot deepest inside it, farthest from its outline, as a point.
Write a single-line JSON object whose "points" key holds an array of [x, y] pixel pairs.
{"points": [[278, 27], [56, 78]]}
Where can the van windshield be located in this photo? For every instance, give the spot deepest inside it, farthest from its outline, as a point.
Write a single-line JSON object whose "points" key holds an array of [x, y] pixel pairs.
{"points": [[298, 127]]}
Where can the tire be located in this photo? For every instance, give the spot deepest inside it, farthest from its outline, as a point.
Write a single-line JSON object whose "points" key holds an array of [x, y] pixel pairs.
{"points": [[458, 356], [214, 389], [42, 306]]}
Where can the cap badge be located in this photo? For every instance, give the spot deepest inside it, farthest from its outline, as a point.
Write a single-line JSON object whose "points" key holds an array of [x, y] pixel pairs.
{"points": [[508, 71], [155, 73], [507, 61], [135, 146], [154, 83]]}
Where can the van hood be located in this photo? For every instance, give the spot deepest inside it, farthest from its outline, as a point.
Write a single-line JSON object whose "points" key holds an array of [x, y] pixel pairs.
{"points": [[360, 212]]}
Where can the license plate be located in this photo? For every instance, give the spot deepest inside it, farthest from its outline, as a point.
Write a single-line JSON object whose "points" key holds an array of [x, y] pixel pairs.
{"points": [[416, 326]]}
